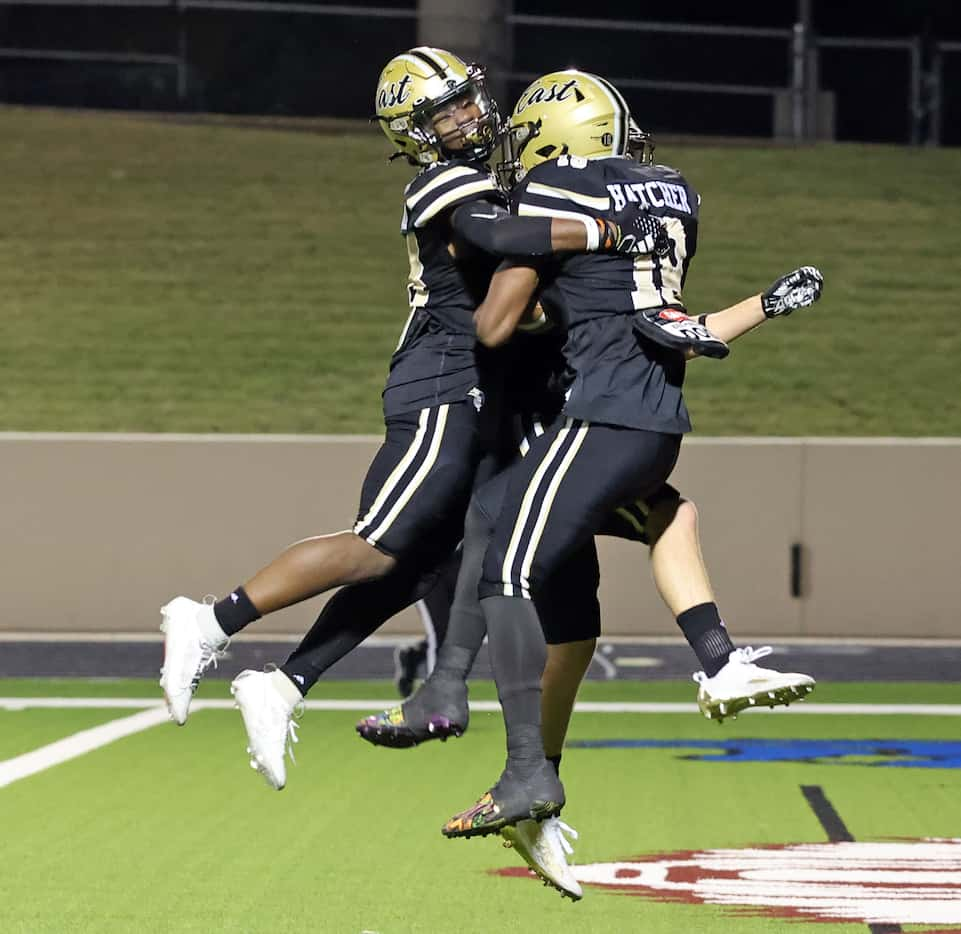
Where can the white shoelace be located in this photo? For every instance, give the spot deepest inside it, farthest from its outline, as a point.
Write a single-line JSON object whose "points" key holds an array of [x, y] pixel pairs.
{"points": [[746, 656], [210, 655], [561, 829], [292, 727]]}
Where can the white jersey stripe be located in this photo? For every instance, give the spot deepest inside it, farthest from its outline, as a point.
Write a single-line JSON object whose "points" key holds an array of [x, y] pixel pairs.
{"points": [[418, 478], [527, 504], [397, 473], [460, 192], [550, 191], [580, 435]]}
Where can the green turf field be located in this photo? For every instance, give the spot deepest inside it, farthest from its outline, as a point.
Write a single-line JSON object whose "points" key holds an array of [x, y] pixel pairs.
{"points": [[168, 277], [168, 830]]}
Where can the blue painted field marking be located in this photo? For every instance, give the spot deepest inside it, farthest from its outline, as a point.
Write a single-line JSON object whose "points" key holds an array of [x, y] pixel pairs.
{"points": [[890, 753]]}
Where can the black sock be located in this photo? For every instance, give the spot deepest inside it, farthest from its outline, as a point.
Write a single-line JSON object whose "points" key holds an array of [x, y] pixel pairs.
{"points": [[704, 630], [518, 654], [556, 762], [466, 624], [349, 617], [235, 611]]}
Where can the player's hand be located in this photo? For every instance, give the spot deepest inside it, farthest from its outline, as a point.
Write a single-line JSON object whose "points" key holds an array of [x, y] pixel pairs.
{"points": [[642, 234], [797, 289]]}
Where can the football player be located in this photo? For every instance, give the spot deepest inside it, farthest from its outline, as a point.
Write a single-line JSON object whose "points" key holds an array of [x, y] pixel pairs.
{"points": [[623, 410], [436, 111]]}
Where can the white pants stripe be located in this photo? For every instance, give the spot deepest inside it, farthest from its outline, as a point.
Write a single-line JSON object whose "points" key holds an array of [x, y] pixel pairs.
{"points": [[379, 517], [527, 505], [580, 434]]}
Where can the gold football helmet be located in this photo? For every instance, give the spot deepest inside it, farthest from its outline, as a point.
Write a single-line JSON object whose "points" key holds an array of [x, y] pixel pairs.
{"points": [[570, 113], [433, 106]]}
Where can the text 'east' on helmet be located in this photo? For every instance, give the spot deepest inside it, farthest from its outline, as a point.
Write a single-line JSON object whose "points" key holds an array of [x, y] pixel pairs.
{"points": [[419, 84], [570, 113]]}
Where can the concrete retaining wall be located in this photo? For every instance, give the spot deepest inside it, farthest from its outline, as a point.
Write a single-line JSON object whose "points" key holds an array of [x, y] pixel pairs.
{"points": [[103, 529]]}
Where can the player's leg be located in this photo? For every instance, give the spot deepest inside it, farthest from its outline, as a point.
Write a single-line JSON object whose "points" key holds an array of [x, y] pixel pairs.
{"points": [[195, 633], [434, 610], [570, 613], [418, 522], [438, 709], [557, 497], [729, 681]]}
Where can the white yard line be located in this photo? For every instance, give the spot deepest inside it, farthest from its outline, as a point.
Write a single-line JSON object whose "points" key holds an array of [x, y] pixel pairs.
{"points": [[38, 760], [607, 707], [814, 643], [85, 741]]}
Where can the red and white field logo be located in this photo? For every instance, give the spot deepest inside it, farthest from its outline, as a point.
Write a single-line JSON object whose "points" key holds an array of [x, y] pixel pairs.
{"points": [[906, 882]]}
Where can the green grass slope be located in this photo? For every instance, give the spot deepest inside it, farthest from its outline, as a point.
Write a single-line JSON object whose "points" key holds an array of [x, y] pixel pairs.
{"points": [[169, 277]]}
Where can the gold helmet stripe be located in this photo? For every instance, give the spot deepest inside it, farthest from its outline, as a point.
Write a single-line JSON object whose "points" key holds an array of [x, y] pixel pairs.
{"points": [[621, 112]]}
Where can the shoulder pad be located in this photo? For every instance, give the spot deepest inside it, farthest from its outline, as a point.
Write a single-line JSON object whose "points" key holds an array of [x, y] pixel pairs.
{"points": [[570, 185], [443, 187]]}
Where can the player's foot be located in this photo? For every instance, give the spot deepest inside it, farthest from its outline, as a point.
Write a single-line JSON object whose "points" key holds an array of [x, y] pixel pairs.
{"points": [[545, 847], [678, 331], [269, 721], [192, 643], [408, 660], [741, 684], [437, 711], [512, 799]]}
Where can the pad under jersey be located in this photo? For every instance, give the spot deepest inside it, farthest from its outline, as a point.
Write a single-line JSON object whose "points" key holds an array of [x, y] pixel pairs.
{"points": [[436, 361], [613, 374]]}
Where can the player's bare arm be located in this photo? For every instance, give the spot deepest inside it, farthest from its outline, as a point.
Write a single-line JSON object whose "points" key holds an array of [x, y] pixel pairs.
{"points": [[508, 298], [798, 289]]}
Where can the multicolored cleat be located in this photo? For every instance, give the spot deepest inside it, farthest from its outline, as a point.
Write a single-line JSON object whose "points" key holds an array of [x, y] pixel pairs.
{"points": [[389, 728], [438, 710], [511, 800]]}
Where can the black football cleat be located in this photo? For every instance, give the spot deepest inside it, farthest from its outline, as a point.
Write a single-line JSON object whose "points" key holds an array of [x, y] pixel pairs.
{"points": [[510, 801], [437, 711], [408, 662]]}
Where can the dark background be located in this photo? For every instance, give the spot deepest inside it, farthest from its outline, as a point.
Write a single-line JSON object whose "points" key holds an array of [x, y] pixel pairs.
{"points": [[292, 64]]}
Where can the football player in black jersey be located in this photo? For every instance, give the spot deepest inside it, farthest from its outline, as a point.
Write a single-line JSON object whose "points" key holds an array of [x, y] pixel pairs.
{"points": [[619, 431], [436, 111]]}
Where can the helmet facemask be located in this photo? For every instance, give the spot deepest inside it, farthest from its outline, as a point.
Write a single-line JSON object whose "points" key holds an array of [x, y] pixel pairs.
{"points": [[640, 144], [514, 140], [435, 125]]}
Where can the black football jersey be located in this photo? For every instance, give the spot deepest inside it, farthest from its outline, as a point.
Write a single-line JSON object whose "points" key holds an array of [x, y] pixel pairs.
{"points": [[613, 374], [435, 360]]}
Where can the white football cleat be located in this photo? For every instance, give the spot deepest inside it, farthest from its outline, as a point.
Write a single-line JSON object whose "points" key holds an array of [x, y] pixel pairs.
{"points": [[269, 721], [188, 652], [741, 684], [544, 846]]}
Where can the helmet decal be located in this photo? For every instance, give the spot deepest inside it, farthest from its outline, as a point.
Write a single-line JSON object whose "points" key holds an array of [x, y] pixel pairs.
{"points": [[433, 106], [569, 113]]}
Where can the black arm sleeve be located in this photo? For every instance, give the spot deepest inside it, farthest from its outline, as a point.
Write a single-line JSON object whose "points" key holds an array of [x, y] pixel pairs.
{"points": [[490, 228]]}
